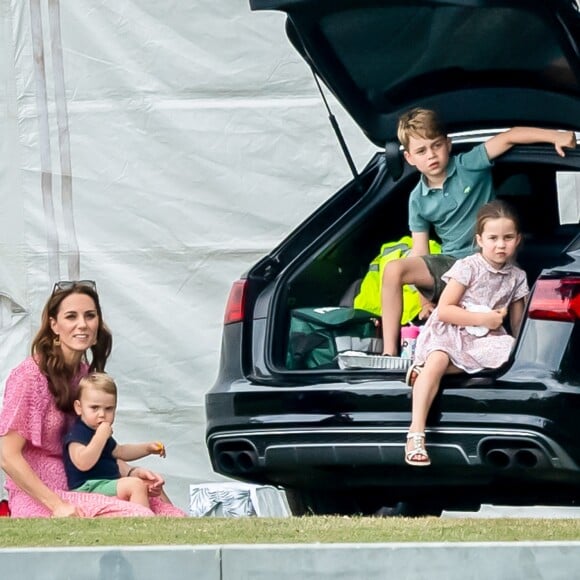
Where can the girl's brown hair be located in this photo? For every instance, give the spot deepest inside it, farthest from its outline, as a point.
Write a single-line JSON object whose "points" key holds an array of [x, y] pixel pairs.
{"points": [[494, 210], [49, 356]]}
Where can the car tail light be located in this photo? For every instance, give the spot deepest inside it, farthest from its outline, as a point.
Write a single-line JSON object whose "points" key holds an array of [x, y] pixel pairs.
{"points": [[556, 299], [236, 301]]}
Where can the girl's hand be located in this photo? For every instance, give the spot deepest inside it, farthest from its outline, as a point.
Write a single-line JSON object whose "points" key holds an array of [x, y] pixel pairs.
{"points": [[494, 319]]}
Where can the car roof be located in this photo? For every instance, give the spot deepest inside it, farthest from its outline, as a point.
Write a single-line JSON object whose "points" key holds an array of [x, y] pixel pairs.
{"points": [[480, 63]]}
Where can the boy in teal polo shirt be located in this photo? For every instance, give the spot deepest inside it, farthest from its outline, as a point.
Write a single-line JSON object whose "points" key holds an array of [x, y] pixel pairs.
{"points": [[447, 197]]}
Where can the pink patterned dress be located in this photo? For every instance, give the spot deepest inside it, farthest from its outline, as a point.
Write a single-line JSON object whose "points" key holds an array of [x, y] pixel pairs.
{"points": [[484, 287], [29, 409]]}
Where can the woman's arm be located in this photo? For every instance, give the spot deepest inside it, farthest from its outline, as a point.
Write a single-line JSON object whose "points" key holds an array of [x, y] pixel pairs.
{"points": [[18, 469]]}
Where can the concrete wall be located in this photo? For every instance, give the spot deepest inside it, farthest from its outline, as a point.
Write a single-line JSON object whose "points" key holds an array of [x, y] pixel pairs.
{"points": [[432, 561]]}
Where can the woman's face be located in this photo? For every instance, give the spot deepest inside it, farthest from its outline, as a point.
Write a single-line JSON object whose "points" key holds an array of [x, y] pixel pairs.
{"points": [[76, 324]]}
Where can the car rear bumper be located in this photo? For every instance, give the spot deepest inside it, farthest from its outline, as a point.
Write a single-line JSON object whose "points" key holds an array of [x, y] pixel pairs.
{"points": [[497, 441]]}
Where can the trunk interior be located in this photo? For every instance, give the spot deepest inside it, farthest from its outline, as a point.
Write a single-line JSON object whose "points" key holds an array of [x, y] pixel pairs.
{"points": [[329, 274]]}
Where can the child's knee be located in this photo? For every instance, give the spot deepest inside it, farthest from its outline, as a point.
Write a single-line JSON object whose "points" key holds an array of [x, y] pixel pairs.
{"points": [[134, 484], [437, 359], [393, 272]]}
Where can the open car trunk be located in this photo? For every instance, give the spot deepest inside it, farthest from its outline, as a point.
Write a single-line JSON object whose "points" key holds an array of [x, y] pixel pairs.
{"points": [[374, 212]]}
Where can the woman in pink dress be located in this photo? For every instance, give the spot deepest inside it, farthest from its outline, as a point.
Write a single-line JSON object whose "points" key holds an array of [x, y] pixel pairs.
{"points": [[37, 411], [465, 332]]}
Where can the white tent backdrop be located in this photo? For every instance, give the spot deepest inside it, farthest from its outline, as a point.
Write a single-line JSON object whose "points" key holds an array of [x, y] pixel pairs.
{"points": [[159, 148]]}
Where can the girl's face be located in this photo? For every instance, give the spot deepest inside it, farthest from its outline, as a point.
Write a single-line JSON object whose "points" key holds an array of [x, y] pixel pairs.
{"points": [[498, 241], [76, 324], [95, 406]]}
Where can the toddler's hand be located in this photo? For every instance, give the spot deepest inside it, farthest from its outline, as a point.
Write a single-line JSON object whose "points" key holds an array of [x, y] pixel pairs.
{"points": [[157, 448], [105, 429]]}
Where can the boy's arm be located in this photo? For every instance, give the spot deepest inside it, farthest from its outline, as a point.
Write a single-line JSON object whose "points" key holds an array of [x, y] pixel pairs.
{"points": [[420, 244], [133, 451], [84, 457], [501, 143]]}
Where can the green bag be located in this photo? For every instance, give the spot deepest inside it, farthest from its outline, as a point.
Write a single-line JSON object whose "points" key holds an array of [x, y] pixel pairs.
{"points": [[318, 335]]}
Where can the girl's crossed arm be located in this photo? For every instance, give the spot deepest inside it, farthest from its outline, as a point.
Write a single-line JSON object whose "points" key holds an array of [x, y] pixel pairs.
{"points": [[452, 313]]}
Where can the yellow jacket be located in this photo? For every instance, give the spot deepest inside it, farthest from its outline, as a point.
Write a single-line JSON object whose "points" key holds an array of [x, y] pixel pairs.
{"points": [[369, 296]]}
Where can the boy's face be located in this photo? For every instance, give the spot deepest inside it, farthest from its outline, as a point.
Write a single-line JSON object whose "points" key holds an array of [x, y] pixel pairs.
{"points": [[95, 407], [429, 156]]}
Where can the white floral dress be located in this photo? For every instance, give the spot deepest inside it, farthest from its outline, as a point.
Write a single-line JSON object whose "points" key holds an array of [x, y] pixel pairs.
{"points": [[484, 287]]}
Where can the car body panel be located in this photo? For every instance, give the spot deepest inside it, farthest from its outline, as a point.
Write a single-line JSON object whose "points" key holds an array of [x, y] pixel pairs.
{"points": [[336, 438]]}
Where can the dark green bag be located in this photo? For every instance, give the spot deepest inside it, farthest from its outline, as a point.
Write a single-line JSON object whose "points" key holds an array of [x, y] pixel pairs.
{"points": [[318, 335]]}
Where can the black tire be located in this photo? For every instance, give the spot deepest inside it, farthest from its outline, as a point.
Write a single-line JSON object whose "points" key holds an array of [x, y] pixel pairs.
{"points": [[314, 502]]}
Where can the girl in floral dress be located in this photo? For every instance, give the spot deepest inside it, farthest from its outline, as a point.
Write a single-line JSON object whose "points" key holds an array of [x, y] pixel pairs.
{"points": [[465, 332], [37, 411]]}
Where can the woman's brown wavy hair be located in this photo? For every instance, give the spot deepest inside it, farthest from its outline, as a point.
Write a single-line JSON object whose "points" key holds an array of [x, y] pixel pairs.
{"points": [[49, 357]]}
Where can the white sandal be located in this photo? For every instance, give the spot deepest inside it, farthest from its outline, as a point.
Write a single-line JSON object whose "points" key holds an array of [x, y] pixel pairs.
{"points": [[418, 440], [412, 374]]}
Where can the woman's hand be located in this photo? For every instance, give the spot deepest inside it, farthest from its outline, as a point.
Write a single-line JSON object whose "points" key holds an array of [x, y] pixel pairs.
{"points": [[154, 481], [67, 510]]}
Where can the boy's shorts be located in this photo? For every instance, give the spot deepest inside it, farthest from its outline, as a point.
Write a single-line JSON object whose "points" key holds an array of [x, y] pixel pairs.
{"points": [[437, 264], [104, 486]]}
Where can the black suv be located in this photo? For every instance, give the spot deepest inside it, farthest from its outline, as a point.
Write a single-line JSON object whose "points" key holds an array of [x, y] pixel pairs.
{"points": [[334, 437]]}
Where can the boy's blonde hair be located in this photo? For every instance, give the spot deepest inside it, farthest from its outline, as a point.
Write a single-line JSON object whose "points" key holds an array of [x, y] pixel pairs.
{"points": [[420, 123], [100, 381]]}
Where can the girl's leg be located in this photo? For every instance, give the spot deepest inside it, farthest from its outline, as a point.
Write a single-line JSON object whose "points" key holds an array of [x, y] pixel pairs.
{"points": [[424, 391]]}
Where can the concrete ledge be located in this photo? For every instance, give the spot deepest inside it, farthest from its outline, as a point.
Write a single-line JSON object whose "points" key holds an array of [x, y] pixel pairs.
{"points": [[124, 563], [404, 561]]}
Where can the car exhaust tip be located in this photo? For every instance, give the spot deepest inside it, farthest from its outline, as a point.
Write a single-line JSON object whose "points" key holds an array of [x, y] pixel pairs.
{"points": [[516, 457], [226, 461], [498, 458], [233, 461]]}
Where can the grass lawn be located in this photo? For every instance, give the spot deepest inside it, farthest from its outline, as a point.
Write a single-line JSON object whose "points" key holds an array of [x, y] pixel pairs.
{"points": [[167, 531]]}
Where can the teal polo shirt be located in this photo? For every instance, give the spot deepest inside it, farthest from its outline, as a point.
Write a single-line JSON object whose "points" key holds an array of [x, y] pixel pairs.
{"points": [[452, 209]]}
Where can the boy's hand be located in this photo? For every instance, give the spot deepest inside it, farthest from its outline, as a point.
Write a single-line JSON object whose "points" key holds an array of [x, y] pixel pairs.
{"points": [[157, 448], [565, 139], [426, 310]]}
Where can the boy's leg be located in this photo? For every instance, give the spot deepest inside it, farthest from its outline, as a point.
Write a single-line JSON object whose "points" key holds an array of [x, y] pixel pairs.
{"points": [[412, 270], [133, 489]]}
